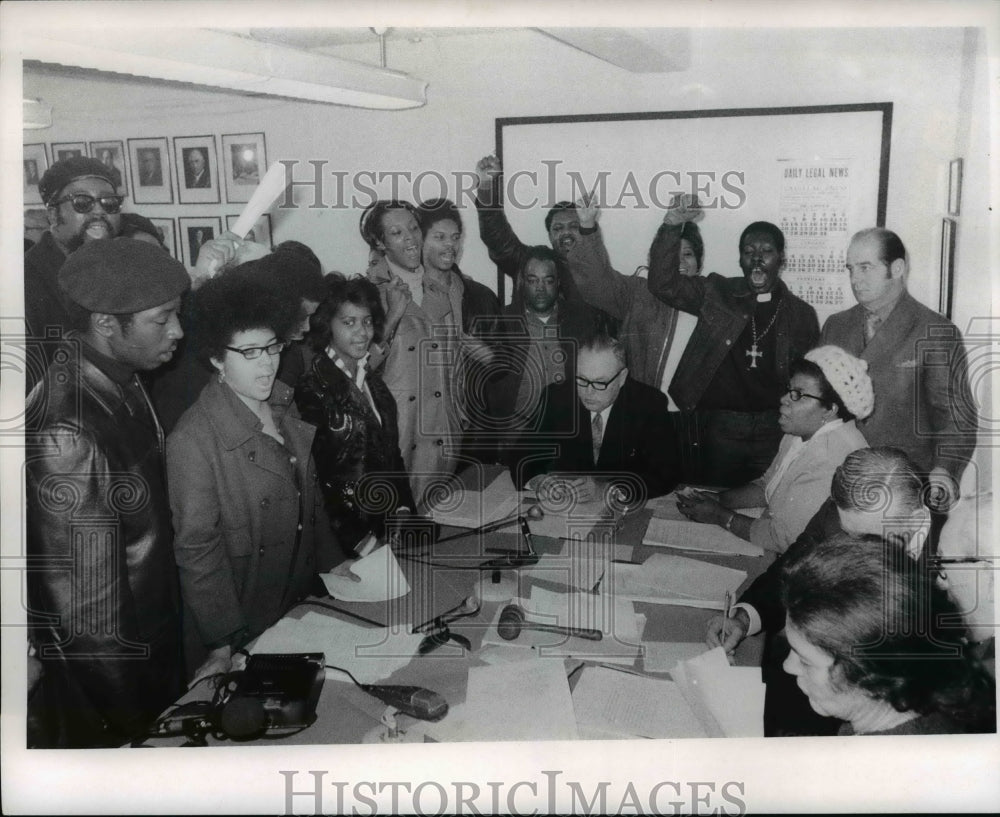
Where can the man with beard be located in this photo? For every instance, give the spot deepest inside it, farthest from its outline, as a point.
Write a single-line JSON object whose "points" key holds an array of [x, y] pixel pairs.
{"points": [[102, 591], [82, 204], [735, 368]]}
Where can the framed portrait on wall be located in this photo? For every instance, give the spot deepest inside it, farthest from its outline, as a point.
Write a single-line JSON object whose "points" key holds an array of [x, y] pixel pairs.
{"points": [[197, 169], [68, 150], [260, 233], [244, 161], [195, 231], [149, 160], [947, 287], [955, 187], [36, 162], [112, 155], [165, 226]]}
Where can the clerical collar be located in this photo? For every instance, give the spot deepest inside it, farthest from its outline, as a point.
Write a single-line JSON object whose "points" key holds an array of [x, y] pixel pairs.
{"points": [[763, 297]]}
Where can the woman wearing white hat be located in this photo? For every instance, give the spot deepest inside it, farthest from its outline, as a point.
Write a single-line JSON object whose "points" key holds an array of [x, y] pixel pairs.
{"points": [[828, 390]]}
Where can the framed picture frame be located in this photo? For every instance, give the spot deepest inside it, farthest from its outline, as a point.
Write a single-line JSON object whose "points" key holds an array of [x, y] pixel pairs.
{"points": [[111, 154], [244, 162], [149, 160], [168, 234], [195, 231], [36, 162], [954, 187], [197, 169], [67, 150], [260, 233], [949, 230]]}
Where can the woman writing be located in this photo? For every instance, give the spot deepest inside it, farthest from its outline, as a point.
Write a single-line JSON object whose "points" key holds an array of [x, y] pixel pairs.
{"points": [[356, 448], [827, 391], [240, 478]]}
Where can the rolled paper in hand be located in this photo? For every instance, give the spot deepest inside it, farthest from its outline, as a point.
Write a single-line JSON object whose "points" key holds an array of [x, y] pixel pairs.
{"points": [[270, 187]]}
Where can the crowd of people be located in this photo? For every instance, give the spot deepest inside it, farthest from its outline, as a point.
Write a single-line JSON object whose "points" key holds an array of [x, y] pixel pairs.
{"points": [[201, 446]]}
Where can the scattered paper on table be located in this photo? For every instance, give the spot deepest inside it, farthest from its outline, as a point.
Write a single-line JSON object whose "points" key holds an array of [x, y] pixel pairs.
{"points": [[370, 653], [668, 579], [380, 578], [688, 535], [729, 701], [628, 705], [527, 700], [665, 507], [663, 656], [467, 508]]}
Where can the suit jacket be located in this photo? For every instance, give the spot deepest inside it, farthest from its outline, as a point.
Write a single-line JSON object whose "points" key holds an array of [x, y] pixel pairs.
{"points": [[918, 367], [246, 517], [638, 441], [104, 606]]}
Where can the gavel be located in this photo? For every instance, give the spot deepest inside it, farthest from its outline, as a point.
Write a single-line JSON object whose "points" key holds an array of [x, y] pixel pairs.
{"points": [[513, 620]]}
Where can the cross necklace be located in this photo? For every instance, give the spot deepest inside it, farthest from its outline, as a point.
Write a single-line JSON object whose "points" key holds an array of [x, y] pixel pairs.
{"points": [[754, 352]]}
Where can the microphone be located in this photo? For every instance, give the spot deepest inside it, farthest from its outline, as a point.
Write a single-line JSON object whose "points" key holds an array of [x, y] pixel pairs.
{"points": [[417, 702], [513, 620]]}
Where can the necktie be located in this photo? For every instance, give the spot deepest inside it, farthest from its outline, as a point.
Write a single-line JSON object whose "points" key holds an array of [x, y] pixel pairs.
{"points": [[872, 323], [597, 435]]}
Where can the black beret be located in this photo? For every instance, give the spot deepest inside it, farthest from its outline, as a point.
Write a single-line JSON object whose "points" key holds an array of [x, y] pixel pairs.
{"points": [[79, 167], [122, 277]]}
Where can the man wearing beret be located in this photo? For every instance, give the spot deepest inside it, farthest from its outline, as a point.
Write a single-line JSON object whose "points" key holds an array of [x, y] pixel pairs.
{"points": [[82, 204], [102, 589]]}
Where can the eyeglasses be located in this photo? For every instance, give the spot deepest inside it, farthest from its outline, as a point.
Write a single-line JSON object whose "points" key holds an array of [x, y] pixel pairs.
{"points": [[797, 394], [84, 203], [598, 385], [253, 352]]}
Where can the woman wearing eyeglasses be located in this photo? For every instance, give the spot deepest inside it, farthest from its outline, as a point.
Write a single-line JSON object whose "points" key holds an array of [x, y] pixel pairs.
{"points": [[240, 478], [827, 391]]}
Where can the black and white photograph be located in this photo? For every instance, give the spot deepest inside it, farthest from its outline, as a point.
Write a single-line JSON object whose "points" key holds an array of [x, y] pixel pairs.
{"points": [[36, 162], [168, 235], [244, 160], [194, 232], [112, 155], [592, 412], [260, 232], [197, 169], [67, 150], [149, 160]]}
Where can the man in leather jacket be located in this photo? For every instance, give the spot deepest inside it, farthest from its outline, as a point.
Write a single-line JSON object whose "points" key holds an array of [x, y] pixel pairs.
{"points": [[102, 585]]}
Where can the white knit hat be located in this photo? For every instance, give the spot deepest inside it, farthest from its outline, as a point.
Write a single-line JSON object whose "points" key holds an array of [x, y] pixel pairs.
{"points": [[848, 376]]}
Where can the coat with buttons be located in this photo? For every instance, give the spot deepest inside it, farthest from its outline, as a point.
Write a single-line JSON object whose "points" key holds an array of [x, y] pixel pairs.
{"points": [[245, 515], [418, 371]]}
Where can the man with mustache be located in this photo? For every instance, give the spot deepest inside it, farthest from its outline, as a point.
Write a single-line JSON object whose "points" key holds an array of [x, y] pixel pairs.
{"points": [[917, 362], [82, 204], [735, 368], [102, 590]]}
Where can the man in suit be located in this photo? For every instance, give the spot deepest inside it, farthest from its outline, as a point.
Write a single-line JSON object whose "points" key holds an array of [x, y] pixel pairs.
{"points": [[602, 428], [150, 167], [917, 363], [196, 169]]}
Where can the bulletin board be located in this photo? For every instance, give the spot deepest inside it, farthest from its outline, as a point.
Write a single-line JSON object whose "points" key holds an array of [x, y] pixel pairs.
{"points": [[819, 172]]}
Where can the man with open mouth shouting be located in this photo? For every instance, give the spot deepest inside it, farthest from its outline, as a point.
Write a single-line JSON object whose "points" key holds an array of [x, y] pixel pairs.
{"points": [[735, 367]]}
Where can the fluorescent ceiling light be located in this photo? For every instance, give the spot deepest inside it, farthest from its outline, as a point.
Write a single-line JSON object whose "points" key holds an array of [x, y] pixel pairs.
{"points": [[223, 60]]}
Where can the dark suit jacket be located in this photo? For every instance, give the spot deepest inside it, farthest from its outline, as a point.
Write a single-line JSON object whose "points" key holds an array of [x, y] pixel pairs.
{"points": [[201, 180], [918, 368], [638, 439]]}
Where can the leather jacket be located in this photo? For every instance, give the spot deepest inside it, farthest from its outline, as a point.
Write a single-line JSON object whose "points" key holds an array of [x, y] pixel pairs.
{"points": [[102, 584]]}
